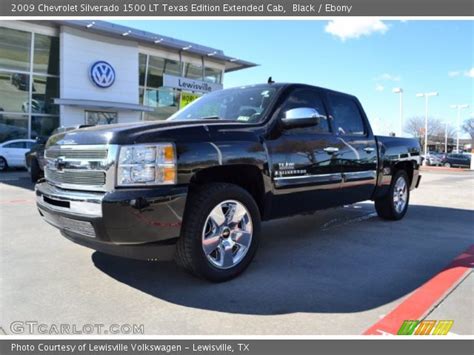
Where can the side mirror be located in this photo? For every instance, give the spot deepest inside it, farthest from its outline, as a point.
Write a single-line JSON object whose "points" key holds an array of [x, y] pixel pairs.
{"points": [[300, 117]]}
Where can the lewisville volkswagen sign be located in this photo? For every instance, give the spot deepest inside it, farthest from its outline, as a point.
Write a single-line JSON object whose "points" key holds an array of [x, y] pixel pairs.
{"points": [[186, 84]]}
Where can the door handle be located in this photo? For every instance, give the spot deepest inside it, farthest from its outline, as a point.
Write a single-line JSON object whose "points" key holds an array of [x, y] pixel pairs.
{"points": [[369, 149], [331, 150]]}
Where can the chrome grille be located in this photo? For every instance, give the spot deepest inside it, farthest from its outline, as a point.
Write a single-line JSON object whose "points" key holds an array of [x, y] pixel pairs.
{"points": [[71, 153], [77, 177], [81, 167]]}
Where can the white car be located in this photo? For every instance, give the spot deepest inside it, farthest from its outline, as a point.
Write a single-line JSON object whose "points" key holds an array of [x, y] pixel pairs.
{"points": [[12, 153]]}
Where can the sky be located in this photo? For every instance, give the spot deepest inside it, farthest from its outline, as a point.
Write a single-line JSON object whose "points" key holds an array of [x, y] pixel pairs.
{"points": [[366, 57]]}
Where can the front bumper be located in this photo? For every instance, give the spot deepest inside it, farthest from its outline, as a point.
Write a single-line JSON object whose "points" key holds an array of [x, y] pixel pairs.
{"points": [[138, 223]]}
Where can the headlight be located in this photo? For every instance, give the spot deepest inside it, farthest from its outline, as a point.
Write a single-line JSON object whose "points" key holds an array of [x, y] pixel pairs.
{"points": [[147, 164]]}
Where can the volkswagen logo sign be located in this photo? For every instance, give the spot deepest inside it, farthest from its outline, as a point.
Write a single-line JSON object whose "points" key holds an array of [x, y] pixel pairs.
{"points": [[102, 74]]}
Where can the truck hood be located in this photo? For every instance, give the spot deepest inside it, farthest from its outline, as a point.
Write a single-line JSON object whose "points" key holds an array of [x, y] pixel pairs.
{"points": [[140, 132]]}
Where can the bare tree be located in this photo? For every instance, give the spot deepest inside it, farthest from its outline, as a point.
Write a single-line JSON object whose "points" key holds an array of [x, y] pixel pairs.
{"points": [[436, 128], [468, 127]]}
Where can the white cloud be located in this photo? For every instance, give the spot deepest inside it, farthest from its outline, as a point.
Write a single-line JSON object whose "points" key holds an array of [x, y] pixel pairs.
{"points": [[470, 73], [455, 73], [388, 77], [379, 87], [348, 28]]}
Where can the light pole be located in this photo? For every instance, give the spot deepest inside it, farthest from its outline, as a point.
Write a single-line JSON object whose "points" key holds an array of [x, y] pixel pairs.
{"points": [[426, 95], [399, 91], [446, 139], [459, 108]]}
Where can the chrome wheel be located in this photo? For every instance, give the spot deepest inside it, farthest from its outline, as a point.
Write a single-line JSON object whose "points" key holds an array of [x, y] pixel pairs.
{"points": [[400, 194], [227, 234]]}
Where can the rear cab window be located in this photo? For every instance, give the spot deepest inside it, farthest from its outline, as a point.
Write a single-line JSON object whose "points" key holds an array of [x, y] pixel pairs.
{"points": [[347, 118]]}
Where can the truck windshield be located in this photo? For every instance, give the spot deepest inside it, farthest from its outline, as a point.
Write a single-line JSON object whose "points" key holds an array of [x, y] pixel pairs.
{"points": [[246, 105]]}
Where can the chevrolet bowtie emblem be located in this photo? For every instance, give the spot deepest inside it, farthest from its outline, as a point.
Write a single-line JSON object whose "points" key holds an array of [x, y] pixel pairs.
{"points": [[59, 164]]}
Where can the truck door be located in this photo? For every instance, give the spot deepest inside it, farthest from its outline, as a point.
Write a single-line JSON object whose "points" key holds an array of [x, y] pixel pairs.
{"points": [[357, 147], [303, 163]]}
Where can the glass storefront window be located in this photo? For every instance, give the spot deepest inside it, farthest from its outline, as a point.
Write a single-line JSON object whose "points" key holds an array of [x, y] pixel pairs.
{"points": [[141, 91], [14, 88], [141, 69], [155, 72], [46, 55], [45, 90], [192, 71], [212, 75], [172, 67], [13, 126], [43, 126], [15, 49], [162, 97], [17, 99], [164, 100], [157, 66]]}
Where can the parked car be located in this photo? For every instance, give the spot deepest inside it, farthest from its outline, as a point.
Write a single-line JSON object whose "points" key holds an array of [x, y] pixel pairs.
{"points": [[37, 106], [435, 159], [34, 158], [12, 153], [457, 160], [198, 185], [21, 81]]}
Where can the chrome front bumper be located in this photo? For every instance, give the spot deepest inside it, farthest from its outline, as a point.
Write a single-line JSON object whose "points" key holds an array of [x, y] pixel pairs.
{"points": [[135, 223], [82, 204]]}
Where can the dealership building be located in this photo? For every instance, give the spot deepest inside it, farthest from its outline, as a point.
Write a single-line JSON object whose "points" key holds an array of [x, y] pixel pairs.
{"points": [[68, 73]]}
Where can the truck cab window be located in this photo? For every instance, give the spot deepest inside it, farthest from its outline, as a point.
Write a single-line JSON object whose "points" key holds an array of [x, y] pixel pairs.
{"points": [[347, 119], [304, 97]]}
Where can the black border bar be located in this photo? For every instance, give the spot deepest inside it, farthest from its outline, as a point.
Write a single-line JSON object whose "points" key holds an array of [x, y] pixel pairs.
{"points": [[271, 347], [214, 8]]}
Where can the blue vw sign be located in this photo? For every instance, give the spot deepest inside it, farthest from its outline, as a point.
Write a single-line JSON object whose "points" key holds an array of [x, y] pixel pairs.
{"points": [[102, 74]]}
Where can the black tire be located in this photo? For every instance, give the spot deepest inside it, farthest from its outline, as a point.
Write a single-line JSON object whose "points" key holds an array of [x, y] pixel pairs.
{"points": [[189, 251], [35, 171], [385, 206], [3, 164]]}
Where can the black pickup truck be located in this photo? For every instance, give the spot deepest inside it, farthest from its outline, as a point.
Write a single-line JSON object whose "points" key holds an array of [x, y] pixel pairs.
{"points": [[198, 185]]}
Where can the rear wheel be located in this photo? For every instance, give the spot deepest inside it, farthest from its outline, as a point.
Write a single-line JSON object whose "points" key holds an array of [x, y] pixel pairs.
{"points": [[394, 205], [447, 165], [3, 164], [219, 236]]}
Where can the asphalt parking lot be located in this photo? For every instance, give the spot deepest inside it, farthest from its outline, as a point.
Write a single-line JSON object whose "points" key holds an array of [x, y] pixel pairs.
{"points": [[336, 272]]}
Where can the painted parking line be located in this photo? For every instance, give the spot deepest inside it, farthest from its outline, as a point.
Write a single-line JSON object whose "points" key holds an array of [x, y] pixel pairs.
{"points": [[421, 301], [7, 202]]}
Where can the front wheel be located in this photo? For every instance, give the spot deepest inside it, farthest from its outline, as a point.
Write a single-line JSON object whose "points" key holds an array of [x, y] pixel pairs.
{"points": [[3, 164], [394, 205], [220, 231], [447, 165]]}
